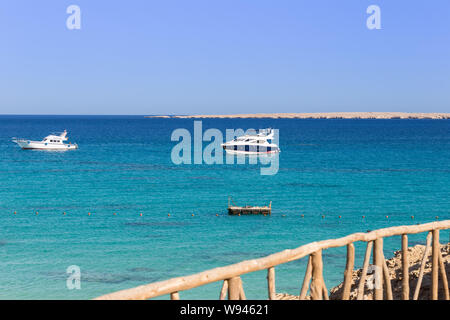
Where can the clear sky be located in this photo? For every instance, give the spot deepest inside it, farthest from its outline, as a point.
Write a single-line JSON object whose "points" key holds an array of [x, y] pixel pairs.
{"points": [[223, 56]]}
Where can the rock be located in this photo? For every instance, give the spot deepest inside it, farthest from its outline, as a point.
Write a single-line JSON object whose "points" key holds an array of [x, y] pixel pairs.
{"points": [[394, 265], [395, 271]]}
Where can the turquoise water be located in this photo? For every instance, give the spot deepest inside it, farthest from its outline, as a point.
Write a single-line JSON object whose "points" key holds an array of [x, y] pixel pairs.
{"points": [[348, 168]]}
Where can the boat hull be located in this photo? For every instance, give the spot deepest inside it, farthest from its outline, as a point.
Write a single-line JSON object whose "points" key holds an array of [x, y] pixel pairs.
{"points": [[37, 145], [241, 152]]}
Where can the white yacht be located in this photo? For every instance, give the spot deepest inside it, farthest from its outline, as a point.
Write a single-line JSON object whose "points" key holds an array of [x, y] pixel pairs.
{"points": [[52, 142], [252, 144]]}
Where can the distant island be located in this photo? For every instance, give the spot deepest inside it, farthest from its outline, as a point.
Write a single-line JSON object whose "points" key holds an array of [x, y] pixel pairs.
{"points": [[322, 115]]}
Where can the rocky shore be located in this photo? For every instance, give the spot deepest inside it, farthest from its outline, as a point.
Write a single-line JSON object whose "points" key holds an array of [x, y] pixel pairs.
{"points": [[325, 115], [395, 270]]}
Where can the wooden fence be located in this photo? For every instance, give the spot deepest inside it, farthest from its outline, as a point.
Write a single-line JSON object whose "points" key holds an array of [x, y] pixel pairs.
{"points": [[313, 280]]}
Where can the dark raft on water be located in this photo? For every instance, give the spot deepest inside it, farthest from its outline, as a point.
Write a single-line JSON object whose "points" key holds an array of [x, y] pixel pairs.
{"points": [[236, 210]]}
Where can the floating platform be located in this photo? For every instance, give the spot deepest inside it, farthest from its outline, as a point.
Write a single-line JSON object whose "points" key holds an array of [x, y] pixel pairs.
{"points": [[236, 210], [249, 210]]}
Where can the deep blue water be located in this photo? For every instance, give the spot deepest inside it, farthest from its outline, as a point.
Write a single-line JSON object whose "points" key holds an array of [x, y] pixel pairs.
{"points": [[348, 168]]}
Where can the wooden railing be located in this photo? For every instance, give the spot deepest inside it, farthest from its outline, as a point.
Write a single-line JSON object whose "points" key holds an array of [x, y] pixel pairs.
{"points": [[313, 280]]}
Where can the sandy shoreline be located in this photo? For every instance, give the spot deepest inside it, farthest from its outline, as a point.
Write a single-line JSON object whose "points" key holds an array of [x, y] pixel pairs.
{"points": [[325, 115]]}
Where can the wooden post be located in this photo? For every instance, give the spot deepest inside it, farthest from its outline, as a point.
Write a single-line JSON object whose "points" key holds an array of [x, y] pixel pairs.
{"points": [[223, 292], [378, 260], [405, 268], [444, 277], [317, 278], [306, 280], [325, 290], [271, 283], [241, 291], [435, 265], [233, 288], [348, 274], [174, 296], [362, 281], [422, 267], [387, 281]]}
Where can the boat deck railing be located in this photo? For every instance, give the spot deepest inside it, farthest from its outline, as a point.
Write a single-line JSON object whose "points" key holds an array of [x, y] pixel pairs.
{"points": [[314, 281]]}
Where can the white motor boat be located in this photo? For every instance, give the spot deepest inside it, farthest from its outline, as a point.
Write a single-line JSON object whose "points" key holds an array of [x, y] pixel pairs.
{"points": [[252, 144], [51, 142]]}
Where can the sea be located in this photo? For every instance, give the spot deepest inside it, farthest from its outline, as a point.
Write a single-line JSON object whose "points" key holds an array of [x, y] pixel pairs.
{"points": [[122, 213]]}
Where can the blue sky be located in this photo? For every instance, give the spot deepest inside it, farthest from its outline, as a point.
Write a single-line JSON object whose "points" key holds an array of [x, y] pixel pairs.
{"points": [[223, 56]]}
